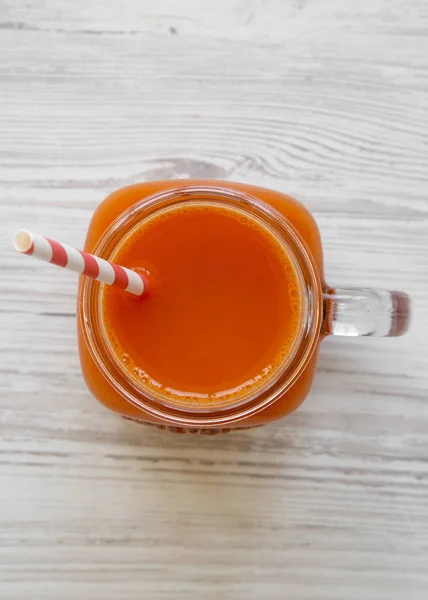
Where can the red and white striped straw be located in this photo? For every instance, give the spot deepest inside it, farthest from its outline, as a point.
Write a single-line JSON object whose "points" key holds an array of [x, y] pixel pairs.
{"points": [[43, 248]]}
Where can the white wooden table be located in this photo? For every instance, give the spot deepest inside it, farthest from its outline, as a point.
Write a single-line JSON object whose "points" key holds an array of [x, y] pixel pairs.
{"points": [[324, 99]]}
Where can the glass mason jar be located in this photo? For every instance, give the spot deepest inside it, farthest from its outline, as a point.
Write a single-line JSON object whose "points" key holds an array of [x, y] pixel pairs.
{"points": [[324, 311]]}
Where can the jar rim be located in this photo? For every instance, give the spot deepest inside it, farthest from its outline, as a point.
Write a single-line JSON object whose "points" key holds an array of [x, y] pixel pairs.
{"points": [[209, 415]]}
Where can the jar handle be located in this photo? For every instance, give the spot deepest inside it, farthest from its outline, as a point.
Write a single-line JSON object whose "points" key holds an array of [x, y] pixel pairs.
{"points": [[361, 311]]}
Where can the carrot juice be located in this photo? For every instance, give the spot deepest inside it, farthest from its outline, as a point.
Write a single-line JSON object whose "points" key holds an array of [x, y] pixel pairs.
{"points": [[202, 304], [224, 325], [223, 311]]}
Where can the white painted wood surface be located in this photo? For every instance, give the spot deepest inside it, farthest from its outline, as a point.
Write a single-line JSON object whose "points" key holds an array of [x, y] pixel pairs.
{"points": [[324, 99]]}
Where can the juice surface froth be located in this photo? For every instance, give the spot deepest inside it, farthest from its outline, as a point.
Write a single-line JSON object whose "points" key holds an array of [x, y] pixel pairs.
{"points": [[224, 308]]}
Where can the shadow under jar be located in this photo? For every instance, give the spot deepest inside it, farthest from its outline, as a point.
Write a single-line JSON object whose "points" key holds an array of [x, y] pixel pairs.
{"points": [[130, 216]]}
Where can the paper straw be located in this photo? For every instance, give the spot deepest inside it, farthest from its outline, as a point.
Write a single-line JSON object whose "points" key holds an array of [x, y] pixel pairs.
{"points": [[48, 250]]}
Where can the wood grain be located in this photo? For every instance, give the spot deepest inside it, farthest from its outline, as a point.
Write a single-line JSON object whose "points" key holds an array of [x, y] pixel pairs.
{"points": [[324, 100]]}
